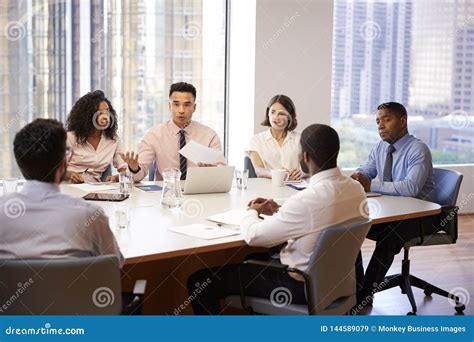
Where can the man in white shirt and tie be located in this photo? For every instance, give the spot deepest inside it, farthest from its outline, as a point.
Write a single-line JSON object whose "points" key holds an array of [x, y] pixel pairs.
{"points": [[40, 221], [330, 198]]}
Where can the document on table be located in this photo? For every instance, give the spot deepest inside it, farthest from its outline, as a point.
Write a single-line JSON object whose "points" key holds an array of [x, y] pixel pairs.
{"points": [[95, 187], [198, 153], [231, 218], [204, 232]]}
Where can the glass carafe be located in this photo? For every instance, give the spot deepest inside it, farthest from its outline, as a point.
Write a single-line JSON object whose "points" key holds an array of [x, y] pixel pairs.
{"points": [[171, 197]]}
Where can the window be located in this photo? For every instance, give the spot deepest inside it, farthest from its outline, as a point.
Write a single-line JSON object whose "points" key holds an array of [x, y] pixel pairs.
{"points": [[411, 52], [52, 52]]}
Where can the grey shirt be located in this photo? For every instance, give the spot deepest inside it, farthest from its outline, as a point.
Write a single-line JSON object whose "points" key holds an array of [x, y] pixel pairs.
{"points": [[41, 222]]}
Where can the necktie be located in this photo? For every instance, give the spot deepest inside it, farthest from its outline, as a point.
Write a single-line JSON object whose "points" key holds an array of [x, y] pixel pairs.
{"points": [[387, 170], [182, 159]]}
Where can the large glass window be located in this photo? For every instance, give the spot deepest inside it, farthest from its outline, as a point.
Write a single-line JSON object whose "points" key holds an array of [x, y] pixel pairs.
{"points": [[419, 53], [52, 52]]}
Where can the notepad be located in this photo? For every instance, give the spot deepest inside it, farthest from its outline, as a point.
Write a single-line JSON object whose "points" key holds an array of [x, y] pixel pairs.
{"points": [[231, 218], [149, 188], [203, 231]]}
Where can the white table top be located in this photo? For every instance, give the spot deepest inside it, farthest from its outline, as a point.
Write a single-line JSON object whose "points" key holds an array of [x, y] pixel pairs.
{"points": [[149, 239]]}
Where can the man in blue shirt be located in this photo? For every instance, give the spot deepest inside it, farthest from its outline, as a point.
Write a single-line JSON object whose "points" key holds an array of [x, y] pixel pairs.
{"points": [[404, 168]]}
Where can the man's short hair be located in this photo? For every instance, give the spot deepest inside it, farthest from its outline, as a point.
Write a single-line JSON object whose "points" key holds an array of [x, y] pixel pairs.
{"points": [[321, 143], [395, 108], [183, 87], [39, 148]]}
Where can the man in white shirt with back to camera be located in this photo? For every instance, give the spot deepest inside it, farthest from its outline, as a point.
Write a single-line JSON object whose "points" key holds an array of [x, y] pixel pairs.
{"points": [[40, 221], [330, 198]]}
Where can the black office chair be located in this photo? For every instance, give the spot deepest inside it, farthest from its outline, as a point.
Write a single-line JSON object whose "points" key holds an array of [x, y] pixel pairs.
{"points": [[249, 166], [447, 183], [72, 286]]}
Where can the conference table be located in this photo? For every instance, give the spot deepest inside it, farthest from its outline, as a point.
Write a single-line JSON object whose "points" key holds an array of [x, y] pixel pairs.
{"points": [[166, 258]]}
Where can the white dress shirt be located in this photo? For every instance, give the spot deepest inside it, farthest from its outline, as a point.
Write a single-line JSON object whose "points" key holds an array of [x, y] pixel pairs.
{"points": [[275, 156], [330, 198], [41, 222]]}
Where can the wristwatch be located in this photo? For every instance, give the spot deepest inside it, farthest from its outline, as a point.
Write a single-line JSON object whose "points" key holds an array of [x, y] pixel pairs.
{"points": [[134, 172]]}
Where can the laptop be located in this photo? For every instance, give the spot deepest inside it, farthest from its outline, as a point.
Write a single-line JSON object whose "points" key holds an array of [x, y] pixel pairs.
{"points": [[208, 180]]}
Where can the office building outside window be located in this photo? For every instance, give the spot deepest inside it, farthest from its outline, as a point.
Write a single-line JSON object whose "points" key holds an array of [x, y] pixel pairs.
{"points": [[418, 53], [54, 51]]}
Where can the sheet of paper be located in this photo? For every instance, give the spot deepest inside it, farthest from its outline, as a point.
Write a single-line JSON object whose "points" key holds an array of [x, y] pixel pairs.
{"points": [[94, 188], [229, 218], [204, 232], [198, 153]]}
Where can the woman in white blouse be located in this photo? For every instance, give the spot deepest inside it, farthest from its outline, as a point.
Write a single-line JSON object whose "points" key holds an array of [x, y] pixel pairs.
{"points": [[92, 139], [279, 146]]}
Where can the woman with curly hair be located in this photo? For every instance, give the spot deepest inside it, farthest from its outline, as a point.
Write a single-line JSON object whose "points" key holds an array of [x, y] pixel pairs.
{"points": [[92, 139]]}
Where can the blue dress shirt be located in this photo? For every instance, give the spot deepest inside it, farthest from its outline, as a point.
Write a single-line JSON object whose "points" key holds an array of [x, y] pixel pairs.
{"points": [[412, 170]]}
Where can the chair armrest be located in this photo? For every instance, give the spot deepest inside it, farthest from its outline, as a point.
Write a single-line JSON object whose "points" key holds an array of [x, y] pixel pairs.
{"points": [[272, 264], [134, 307]]}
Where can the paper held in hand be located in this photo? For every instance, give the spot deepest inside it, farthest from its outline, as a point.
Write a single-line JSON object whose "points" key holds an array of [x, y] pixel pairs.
{"points": [[198, 153]]}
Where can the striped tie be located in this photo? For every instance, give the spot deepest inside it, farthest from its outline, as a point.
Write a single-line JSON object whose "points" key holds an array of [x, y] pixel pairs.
{"points": [[182, 159]]}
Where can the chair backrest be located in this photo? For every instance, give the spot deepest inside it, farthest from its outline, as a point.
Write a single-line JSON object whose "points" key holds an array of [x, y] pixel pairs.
{"points": [[84, 286], [249, 166], [447, 184], [106, 173], [332, 264], [152, 171]]}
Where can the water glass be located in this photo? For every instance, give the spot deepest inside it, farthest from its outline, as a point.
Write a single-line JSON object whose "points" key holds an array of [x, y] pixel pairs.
{"points": [[241, 178], [10, 185], [122, 217], [126, 182]]}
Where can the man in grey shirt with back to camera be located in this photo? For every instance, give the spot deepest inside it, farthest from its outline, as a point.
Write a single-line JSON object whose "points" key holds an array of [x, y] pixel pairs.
{"points": [[40, 221]]}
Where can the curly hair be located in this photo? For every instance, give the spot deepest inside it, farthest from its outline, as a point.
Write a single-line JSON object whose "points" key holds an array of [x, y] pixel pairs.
{"points": [[82, 115]]}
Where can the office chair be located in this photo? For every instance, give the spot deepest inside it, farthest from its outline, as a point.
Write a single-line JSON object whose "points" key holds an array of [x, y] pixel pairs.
{"points": [[249, 166], [330, 281], [447, 183], [152, 171], [106, 173], [73, 286]]}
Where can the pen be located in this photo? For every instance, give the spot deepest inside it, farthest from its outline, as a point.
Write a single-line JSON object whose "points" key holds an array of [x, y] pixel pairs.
{"points": [[85, 171]]}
